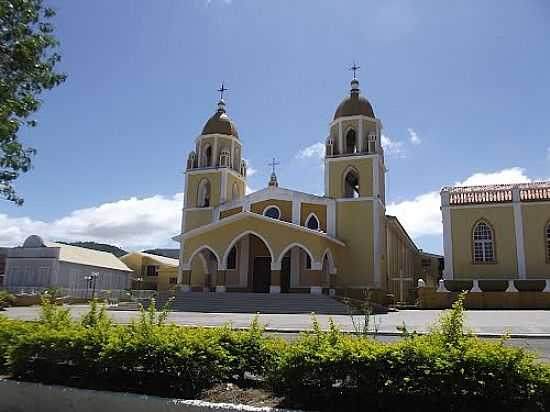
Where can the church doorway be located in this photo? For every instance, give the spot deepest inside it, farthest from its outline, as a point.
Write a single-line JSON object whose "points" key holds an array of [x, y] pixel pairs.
{"points": [[285, 275], [261, 275]]}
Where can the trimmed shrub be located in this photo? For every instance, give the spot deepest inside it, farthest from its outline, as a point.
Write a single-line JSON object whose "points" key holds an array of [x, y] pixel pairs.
{"points": [[445, 370], [6, 299]]}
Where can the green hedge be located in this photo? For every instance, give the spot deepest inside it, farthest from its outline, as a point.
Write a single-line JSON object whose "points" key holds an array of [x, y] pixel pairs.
{"points": [[444, 370]]}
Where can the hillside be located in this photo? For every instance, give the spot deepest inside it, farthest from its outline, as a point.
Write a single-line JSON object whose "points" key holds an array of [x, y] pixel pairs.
{"points": [[170, 253], [115, 250]]}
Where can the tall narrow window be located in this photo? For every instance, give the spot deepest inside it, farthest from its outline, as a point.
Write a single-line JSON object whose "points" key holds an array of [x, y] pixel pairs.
{"points": [[351, 184], [232, 259], [548, 242], [351, 142], [312, 222], [203, 194], [207, 156], [483, 238]]}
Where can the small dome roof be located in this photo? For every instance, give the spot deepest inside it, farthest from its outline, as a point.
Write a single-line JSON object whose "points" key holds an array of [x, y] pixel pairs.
{"points": [[220, 123], [354, 104]]}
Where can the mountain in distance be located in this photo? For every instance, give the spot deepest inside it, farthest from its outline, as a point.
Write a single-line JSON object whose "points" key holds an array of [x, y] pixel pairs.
{"points": [[103, 247]]}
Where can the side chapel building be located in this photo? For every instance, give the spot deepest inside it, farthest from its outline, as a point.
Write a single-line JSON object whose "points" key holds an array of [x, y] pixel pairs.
{"points": [[279, 240]]}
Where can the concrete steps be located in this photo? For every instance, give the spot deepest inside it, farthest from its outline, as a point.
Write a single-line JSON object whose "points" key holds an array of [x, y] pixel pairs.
{"points": [[253, 302]]}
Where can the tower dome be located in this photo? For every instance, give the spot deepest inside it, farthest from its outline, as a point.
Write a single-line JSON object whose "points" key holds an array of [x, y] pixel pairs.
{"points": [[220, 123], [354, 104]]}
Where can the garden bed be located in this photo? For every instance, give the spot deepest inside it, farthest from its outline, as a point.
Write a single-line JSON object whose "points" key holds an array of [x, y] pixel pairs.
{"points": [[317, 371]]}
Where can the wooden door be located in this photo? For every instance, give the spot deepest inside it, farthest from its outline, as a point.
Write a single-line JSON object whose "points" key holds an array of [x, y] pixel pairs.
{"points": [[261, 275], [285, 275]]}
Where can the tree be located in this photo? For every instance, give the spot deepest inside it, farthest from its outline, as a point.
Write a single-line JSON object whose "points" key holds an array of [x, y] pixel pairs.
{"points": [[28, 55]]}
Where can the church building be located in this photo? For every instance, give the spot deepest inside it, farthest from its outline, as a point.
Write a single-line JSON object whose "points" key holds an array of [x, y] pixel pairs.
{"points": [[279, 240]]}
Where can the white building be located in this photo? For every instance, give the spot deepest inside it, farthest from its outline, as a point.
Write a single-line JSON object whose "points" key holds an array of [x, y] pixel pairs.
{"points": [[40, 264]]}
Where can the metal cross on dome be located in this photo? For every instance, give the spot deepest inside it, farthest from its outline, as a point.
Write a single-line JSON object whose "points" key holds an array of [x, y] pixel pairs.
{"points": [[273, 164], [354, 68], [221, 90]]}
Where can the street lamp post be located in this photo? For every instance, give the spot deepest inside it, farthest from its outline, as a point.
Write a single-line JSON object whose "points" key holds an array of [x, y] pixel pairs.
{"points": [[91, 282]]}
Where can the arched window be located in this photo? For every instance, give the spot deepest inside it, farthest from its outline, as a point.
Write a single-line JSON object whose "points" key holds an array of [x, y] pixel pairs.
{"points": [[207, 156], [232, 259], [351, 184], [312, 222], [351, 142], [225, 158], [483, 238], [235, 192], [548, 242], [203, 194], [272, 212]]}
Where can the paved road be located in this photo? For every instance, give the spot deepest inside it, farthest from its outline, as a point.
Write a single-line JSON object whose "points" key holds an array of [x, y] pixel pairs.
{"points": [[531, 328], [526, 322]]}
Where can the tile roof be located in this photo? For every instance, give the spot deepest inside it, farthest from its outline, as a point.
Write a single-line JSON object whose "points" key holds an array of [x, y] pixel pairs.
{"points": [[503, 193]]}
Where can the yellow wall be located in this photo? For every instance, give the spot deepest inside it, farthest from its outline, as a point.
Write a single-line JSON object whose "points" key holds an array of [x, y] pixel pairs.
{"points": [[355, 228], [284, 205], [231, 179], [339, 167], [196, 218], [535, 219], [138, 264], [278, 236], [191, 190], [501, 219], [319, 210]]}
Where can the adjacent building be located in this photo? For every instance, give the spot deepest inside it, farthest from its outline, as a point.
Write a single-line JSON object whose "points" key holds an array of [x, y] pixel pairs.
{"points": [[497, 237], [152, 272], [40, 264]]}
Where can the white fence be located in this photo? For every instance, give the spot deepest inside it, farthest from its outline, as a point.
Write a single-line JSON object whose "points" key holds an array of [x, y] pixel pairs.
{"points": [[113, 295]]}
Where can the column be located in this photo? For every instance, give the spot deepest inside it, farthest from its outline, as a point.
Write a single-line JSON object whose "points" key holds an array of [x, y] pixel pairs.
{"points": [[511, 287], [518, 225], [185, 283], [220, 281], [315, 288], [475, 287], [295, 267], [275, 286], [244, 250], [447, 235]]}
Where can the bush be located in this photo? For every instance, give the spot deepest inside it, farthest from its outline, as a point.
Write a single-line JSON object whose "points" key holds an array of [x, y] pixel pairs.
{"points": [[320, 370], [6, 299], [331, 371]]}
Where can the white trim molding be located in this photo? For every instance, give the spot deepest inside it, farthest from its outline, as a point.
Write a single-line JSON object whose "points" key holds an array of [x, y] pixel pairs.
{"points": [[520, 241], [448, 272], [296, 211]]}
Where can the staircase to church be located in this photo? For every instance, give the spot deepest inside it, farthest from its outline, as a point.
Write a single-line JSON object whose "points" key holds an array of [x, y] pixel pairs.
{"points": [[253, 302]]}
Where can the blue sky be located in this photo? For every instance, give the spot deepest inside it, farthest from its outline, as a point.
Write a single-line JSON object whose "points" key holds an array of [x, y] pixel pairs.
{"points": [[469, 79]]}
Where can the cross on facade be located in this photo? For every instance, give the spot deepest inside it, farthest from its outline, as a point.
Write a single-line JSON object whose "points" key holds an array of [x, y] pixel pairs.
{"points": [[273, 164], [354, 68], [221, 90]]}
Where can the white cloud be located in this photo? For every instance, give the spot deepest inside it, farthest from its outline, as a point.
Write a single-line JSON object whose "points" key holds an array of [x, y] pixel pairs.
{"points": [[511, 175], [130, 223], [392, 147], [316, 151], [248, 190], [421, 216], [413, 136]]}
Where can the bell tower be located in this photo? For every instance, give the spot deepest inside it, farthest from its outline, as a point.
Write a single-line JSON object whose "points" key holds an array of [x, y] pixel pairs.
{"points": [[355, 176], [216, 171]]}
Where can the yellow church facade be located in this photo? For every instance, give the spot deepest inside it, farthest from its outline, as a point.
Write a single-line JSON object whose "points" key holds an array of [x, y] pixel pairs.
{"points": [[278, 240]]}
